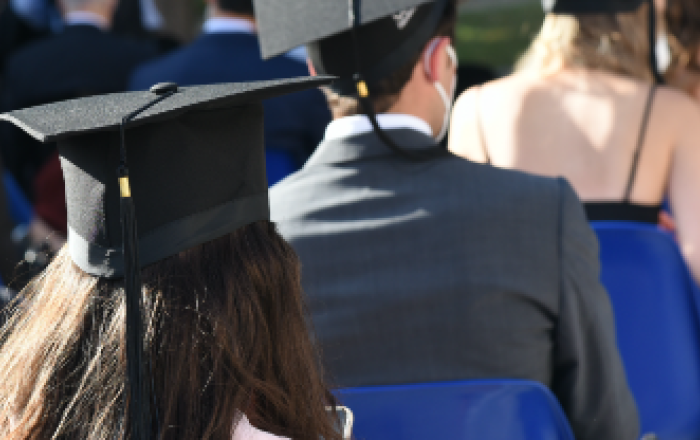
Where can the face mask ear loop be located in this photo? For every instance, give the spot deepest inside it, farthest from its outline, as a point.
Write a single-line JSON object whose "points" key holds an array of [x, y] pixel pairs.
{"points": [[363, 94], [446, 99]]}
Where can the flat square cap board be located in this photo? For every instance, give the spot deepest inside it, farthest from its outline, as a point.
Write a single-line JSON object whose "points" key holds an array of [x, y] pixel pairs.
{"points": [[590, 6], [60, 120], [286, 24], [196, 161]]}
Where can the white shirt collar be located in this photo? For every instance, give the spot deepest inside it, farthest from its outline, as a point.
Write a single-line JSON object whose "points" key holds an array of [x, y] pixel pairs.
{"points": [[359, 124], [217, 25], [151, 17], [84, 17]]}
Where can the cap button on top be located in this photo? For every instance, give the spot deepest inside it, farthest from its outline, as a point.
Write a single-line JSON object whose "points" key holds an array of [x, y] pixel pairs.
{"points": [[164, 87]]}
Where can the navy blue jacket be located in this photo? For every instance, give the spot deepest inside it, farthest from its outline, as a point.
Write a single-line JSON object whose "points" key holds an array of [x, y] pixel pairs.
{"points": [[79, 61], [294, 123]]}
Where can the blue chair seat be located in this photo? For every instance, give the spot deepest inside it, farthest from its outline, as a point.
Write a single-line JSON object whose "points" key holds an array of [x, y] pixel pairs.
{"points": [[658, 332], [488, 409]]}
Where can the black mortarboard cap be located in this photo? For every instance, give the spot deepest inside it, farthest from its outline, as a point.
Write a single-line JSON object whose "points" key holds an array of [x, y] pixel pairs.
{"points": [[590, 6], [196, 161], [196, 164], [285, 24], [359, 42], [389, 34]]}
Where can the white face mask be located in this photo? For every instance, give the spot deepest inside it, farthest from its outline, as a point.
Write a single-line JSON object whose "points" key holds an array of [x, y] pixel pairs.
{"points": [[663, 53], [447, 99]]}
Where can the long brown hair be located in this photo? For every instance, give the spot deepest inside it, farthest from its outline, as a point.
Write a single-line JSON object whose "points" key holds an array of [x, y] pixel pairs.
{"points": [[683, 22], [226, 335], [616, 43]]}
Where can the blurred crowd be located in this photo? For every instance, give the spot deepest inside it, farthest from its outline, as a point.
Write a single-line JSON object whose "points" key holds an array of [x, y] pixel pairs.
{"points": [[415, 270]]}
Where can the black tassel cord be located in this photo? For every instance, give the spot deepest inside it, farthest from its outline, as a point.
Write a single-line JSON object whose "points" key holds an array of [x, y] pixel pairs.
{"points": [[355, 18], [139, 399]]}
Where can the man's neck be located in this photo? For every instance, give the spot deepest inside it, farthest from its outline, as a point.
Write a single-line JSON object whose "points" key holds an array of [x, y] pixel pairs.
{"points": [[218, 24], [414, 109], [218, 13]]}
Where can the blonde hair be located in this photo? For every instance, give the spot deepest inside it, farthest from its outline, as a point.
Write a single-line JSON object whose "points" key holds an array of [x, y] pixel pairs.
{"points": [[616, 43]]}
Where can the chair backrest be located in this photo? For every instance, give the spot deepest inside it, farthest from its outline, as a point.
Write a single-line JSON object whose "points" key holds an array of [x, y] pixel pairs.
{"points": [[658, 330], [279, 165], [489, 409]]}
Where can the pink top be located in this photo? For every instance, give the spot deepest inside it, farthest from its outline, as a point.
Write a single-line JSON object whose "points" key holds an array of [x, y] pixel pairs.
{"points": [[246, 431]]}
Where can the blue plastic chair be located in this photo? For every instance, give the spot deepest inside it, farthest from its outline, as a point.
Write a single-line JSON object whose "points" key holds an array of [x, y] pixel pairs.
{"points": [[658, 330], [489, 409], [279, 165]]}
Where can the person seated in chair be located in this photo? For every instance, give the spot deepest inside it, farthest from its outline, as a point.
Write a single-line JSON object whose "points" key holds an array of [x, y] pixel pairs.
{"points": [[585, 104], [224, 351], [421, 266]]}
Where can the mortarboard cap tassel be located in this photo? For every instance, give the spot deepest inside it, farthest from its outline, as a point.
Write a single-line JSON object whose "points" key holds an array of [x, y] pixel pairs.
{"points": [[139, 402]]}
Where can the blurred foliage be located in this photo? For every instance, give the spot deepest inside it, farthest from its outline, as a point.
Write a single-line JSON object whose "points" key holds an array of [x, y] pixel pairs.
{"points": [[200, 6], [497, 35]]}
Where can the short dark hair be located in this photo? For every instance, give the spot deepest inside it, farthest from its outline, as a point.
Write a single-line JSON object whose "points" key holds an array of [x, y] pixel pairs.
{"points": [[237, 6], [387, 91]]}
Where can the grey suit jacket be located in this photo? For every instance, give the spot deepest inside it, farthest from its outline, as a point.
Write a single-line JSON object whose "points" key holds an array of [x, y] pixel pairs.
{"points": [[448, 270]]}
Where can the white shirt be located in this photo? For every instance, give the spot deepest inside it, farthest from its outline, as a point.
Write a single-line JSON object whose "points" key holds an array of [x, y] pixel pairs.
{"points": [[151, 16], [245, 431], [360, 124], [222, 25], [84, 17], [218, 25]]}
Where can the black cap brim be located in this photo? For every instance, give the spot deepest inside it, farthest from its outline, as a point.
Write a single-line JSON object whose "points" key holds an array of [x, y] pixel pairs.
{"points": [[286, 24], [590, 6], [53, 122]]}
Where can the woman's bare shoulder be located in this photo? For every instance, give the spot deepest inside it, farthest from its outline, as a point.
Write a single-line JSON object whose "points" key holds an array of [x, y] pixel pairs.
{"points": [[676, 99], [676, 112], [506, 85]]}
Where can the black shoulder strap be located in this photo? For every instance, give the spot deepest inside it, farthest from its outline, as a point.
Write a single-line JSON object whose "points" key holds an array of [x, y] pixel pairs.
{"points": [[479, 125], [640, 143]]}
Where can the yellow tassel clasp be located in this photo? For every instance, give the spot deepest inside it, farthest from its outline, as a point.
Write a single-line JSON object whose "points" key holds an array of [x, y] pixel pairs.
{"points": [[362, 89], [124, 187]]}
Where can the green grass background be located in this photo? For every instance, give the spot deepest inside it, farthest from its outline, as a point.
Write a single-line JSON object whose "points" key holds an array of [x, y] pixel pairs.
{"points": [[497, 35]]}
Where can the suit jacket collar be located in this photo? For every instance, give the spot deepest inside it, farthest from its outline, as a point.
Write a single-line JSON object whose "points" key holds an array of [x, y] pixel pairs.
{"points": [[237, 38], [368, 145], [82, 28]]}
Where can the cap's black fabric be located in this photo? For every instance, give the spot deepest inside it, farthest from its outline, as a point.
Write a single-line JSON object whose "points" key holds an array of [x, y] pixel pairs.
{"points": [[196, 161], [52, 122], [286, 24], [385, 45], [590, 6]]}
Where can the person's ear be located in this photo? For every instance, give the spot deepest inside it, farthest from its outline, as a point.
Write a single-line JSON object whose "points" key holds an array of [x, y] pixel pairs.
{"points": [[61, 7], [435, 58], [310, 65]]}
